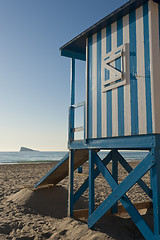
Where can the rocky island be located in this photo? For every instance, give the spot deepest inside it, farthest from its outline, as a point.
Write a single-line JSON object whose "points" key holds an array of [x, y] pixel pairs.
{"points": [[27, 149]]}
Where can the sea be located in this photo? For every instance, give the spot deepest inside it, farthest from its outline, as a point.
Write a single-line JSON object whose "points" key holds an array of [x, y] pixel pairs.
{"points": [[39, 157]]}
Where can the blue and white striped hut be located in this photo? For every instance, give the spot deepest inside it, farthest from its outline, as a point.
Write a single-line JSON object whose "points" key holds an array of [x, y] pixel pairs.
{"points": [[122, 65], [121, 110], [122, 106]]}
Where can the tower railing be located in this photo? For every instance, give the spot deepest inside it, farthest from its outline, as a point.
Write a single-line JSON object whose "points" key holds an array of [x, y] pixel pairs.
{"points": [[72, 128]]}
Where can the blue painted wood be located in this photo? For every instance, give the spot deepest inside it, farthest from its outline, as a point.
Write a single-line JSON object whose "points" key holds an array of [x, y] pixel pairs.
{"points": [[80, 169], [85, 123], [120, 89], [147, 69], [71, 123], [72, 54], [159, 21], [139, 142], [71, 178], [89, 107], [136, 217], [146, 164], [99, 134], [109, 113], [70, 129], [91, 182], [155, 176], [108, 93], [128, 168], [85, 185], [133, 72], [115, 176], [72, 81]]}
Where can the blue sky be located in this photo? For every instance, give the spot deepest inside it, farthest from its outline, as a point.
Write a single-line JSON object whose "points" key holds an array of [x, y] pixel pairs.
{"points": [[34, 78]]}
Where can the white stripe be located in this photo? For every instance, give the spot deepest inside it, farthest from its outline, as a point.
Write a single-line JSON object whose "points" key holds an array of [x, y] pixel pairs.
{"points": [[86, 112], [114, 91], [127, 106], [103, 95], [140, 72], [155, 64], [94, 86]]}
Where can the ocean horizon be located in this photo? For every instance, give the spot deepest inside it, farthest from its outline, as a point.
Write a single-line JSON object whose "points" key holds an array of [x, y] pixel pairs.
{"points": [[50, 156]]}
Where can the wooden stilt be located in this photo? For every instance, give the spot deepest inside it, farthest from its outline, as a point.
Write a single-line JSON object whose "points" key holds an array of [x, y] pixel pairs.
{"points": [[115, 176], [71, 177], [155, 176], [91, 182]]}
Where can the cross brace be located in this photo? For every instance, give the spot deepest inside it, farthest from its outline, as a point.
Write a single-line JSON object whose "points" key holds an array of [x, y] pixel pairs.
{"points": [[150, 162], [119, 193]]}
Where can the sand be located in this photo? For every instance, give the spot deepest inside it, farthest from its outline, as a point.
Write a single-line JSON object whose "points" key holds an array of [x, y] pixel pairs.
{"points": [[42, 214]]}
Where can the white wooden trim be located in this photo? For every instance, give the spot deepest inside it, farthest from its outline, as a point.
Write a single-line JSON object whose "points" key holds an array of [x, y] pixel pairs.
{"points": [[140, 72], [115, 74], [121, 83], [115, 71], [114, 91], [94, 86], [112, 56], [155, 64], [103, 96], [127, 99], [86, 107]]}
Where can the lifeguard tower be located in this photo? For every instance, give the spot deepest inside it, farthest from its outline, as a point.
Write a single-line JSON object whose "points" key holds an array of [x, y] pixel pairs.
{"points": [[121, 110]]}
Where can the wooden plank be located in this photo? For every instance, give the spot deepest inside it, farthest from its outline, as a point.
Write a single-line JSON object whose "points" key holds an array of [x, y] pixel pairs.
{"points": [[81, 104], [78, 129], [141, 72], [60, 171], [81, 213], [116, 85], [84, 213]]}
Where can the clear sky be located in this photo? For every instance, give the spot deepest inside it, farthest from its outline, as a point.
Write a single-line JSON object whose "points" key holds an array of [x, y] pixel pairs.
{"points": [[34, 78]]}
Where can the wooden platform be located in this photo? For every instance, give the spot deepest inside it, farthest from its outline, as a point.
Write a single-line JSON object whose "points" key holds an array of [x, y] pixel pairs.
{"points": [[60, 171]]}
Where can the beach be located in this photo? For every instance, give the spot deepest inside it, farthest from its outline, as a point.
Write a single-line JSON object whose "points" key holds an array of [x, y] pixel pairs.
{"points": [[42, 214]]}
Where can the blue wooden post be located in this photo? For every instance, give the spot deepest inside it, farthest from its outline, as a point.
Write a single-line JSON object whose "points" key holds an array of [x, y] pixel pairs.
{"points": [[71, 112], [71, 178], [80, 169], [155, 184], [91, 182], [115, 176]]}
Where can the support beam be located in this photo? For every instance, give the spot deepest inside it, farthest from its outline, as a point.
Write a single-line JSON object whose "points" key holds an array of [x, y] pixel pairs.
{"points": [[71, 178], [85, 185], [155, 176], [115, 176], [91, 182], [141, 142], [71, 111]]}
